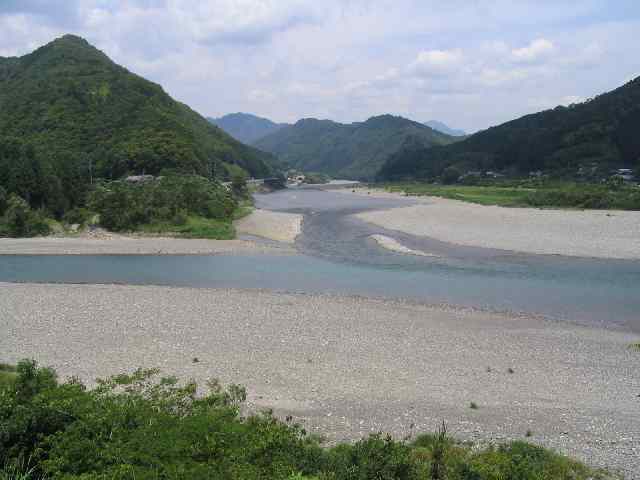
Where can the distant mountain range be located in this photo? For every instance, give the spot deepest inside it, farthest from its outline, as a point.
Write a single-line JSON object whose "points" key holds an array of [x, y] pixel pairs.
{"points": [[67, 100], [600, 133], [246, 127], [356, 150], [441, 127]]}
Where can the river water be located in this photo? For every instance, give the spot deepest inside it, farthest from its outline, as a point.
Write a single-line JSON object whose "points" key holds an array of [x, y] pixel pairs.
{"points": [[339, 257]]}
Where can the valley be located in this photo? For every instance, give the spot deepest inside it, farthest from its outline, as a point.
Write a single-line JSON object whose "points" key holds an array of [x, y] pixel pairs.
{"points": [[482, 286]]}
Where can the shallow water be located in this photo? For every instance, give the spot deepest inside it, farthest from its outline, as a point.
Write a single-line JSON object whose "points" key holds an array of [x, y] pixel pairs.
{"points": [[339, 257], [607, 300]]}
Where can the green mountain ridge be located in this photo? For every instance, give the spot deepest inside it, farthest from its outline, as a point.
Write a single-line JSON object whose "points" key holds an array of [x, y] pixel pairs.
{"points": [[246, 127], [601, 133], [355, 150], [68, 99]]}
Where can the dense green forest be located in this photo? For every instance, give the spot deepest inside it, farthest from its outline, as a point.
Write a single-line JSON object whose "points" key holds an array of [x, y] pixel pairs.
{"points": [[355, 151], [246, 127], [137, 426], [70, 118], [599, 134]]}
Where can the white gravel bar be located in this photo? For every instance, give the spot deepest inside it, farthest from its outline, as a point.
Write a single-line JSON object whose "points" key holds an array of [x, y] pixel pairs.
{"points": [[121, 245], [395, 246], [346, 367], [581, 233], [279, 226]]}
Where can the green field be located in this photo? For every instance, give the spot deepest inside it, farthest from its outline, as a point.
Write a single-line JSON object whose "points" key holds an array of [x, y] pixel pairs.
{"points": [[503, 196], [531, 194], [194, 227]]}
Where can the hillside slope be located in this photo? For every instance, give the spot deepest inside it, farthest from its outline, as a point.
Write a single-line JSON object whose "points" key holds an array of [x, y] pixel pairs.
{"points": [[246, 127], [601, 133], [356, 150], [68, 99]]}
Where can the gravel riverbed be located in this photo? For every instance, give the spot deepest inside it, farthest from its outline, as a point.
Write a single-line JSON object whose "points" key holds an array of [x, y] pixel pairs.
{"points": [[123, 245], [349, 366], [578, 233]]}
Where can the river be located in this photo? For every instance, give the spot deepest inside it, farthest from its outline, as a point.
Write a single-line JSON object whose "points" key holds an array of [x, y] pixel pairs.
{"points": [[338, 256]]}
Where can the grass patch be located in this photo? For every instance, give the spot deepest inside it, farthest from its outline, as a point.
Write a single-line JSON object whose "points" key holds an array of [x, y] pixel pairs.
{"points": [[525, 193], [7, 375], [243, 211], [193, 227], [144, 427], [503, 196], [635, 346]]}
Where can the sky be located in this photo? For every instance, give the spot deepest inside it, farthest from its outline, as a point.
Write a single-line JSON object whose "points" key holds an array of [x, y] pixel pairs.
{"points": [[469, 63]]}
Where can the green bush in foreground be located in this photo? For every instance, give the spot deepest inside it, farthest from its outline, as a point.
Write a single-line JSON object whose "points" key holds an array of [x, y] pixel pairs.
{"points": [[140, 427]]}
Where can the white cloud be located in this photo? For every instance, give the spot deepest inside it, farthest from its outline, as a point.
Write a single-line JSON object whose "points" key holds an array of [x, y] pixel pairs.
{"points": [[570, 100], [261, 96], [436, 62], [537, 49], [492, 77], [471, 64]]}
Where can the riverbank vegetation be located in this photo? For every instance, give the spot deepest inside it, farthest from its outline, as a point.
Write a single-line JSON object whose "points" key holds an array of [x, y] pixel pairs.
{"points": [[74, 125], [531, 193], [139, 426], [33, 201], [185, 204]]}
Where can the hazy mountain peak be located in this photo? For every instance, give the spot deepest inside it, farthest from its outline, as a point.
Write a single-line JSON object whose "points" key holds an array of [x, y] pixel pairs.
{"points": [[444, 128], [354, 150], [246, 127]]}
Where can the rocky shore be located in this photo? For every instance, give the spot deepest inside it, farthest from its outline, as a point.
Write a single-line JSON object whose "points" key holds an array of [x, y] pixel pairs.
{"points": [[345, 366]]}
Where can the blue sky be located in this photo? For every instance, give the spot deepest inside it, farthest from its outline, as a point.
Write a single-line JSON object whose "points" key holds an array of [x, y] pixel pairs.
{"points": [[471, 63]]}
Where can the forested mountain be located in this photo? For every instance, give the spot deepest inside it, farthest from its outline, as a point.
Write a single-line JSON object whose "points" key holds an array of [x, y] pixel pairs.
{"points": [[69, 116], [601, 133], [444, 128], [355, 150], [246, 127]]}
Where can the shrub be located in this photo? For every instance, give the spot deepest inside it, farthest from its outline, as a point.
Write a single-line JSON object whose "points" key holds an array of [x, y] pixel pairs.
{"points": [[375, 457], [124, 207], [7, 375], [239, 184], [81, 216], [3, 200], [450, 175], [141, 426], [522, 461], [20, 221]]}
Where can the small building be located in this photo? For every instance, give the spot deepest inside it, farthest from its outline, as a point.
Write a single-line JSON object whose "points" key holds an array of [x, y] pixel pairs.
{"points": [[139, 178], [626, 174], [491, 174]]}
